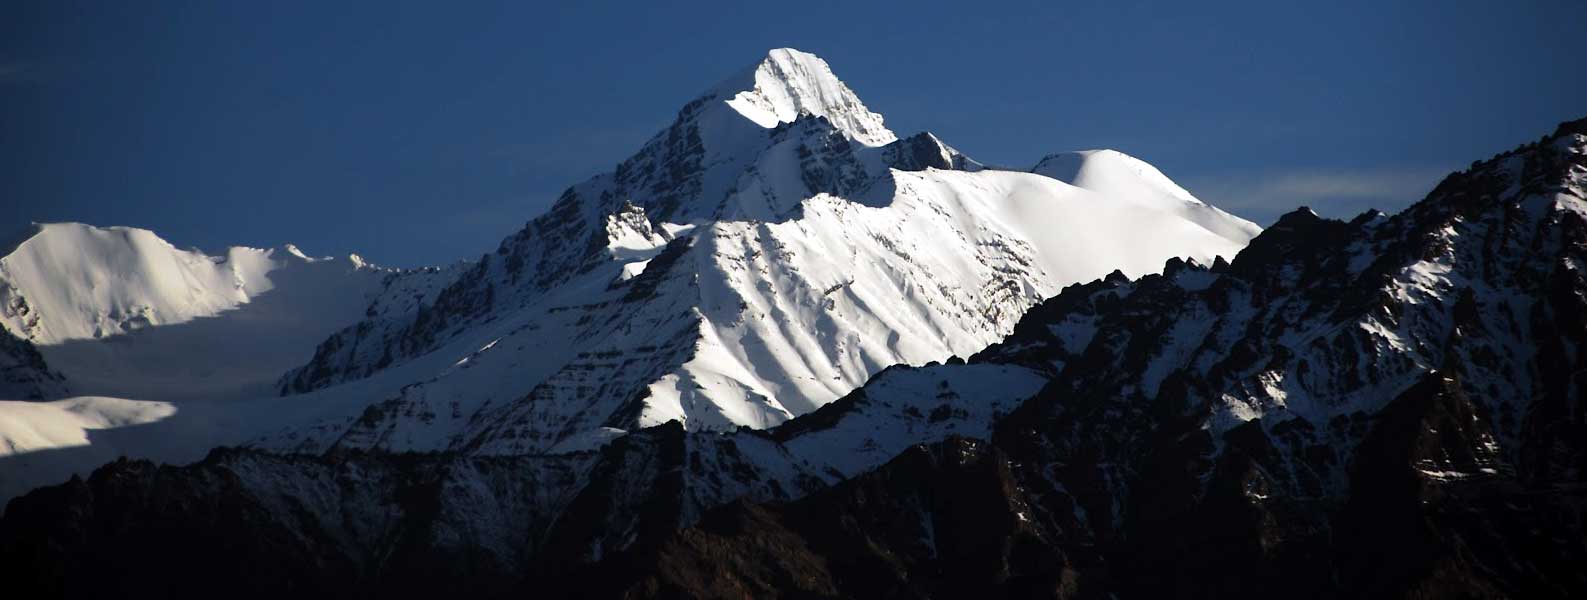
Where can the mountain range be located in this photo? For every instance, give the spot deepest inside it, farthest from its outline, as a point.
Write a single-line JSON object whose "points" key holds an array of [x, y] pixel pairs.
{"points": [[781, 352], [765, 254]]}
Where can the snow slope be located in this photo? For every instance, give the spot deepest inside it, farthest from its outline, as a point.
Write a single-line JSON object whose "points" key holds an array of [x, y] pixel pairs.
{"points": [[81, 282], [119, 311], [27, 426], [161, 352], [1118, 175]]}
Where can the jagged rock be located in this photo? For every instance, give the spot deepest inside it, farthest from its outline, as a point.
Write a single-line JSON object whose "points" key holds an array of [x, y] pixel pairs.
{"points": [[23, 372]]}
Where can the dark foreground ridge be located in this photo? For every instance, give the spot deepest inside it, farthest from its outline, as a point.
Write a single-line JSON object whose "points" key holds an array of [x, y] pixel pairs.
{"points": [[1385, 407]]}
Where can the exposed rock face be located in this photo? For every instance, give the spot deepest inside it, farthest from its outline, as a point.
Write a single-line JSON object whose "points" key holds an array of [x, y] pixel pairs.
{"points": [[941, 520], [258, 525], [24, 373]]}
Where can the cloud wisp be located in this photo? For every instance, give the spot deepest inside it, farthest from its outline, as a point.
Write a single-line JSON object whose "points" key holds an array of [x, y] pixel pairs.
{"points": [[1337, 193]]}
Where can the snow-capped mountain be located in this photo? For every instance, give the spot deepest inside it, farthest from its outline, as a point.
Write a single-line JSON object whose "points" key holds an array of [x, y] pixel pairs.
{"points": [[1382, 407], [69, 281], [769, 251], [731, 367], [118, 311], [115, 342]]}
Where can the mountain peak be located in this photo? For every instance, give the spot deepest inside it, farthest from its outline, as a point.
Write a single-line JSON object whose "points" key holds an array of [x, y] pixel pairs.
{"points": [[1131, 179], [788, 83], [1106, 167]]}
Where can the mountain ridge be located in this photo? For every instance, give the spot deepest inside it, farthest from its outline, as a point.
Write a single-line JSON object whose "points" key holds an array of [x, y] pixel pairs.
{"points": [[1121, 478], [796, 159], [1348, 408], [762, 255]]}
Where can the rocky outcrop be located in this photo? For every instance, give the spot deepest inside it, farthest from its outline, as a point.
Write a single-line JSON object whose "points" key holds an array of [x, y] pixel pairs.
{"points": [[942, 520], [24, 374]]}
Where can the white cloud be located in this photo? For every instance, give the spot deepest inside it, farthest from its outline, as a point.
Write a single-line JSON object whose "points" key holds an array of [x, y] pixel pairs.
{"points": [[1337, 193]]}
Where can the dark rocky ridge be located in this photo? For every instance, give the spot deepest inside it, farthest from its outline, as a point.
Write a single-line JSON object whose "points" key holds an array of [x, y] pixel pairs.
{"points": [[940, 520], [23, 371]]}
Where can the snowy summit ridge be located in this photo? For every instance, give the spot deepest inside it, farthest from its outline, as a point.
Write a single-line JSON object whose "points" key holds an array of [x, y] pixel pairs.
{"points": [[790, 83]]}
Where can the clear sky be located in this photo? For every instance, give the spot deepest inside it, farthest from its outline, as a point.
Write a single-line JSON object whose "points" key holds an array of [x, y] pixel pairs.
{"points": [[414, 134]]}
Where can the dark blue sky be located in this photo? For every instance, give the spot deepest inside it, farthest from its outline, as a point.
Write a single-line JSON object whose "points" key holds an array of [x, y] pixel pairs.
{"points": [[417, 135]]}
